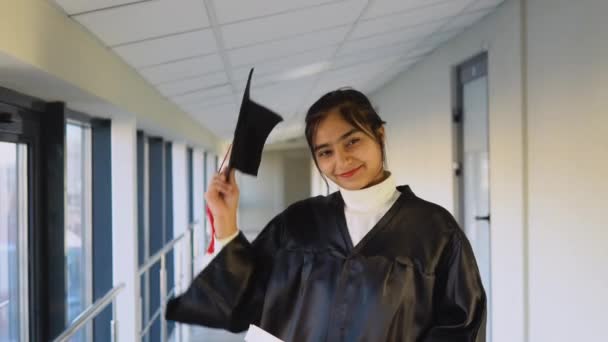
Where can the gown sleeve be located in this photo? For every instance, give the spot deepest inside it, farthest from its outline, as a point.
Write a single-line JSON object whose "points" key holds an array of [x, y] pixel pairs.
{"points": [[460, 300], [229, 293]]}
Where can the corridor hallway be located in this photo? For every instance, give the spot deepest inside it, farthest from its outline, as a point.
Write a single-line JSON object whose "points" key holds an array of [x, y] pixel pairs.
{"points": [[116, 114]]}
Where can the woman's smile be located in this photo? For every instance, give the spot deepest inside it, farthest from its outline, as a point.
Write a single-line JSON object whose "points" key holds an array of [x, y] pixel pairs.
{"points": [[350, 173]]}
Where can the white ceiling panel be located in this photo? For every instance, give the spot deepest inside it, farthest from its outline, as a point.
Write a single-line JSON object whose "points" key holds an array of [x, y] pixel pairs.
{"points": [[292, 23], [387, 75], [398, 50], [286, 64], [282, 97], [236, 10], [465, 20], [408, 19], [249, 56], [187, 68], [78, 6], [438, 38], [484, 4], [269, 80], [224, 100], [301, 49], [200, 82], [201, 96], [154, 19], [387, 7], [221, 119], [161, 50], [361, 69], [413, 35]]}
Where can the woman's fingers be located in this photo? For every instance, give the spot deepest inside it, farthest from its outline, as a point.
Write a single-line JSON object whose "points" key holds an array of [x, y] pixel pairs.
{"points": [[232, 177], [218, 184], [219, 188]]}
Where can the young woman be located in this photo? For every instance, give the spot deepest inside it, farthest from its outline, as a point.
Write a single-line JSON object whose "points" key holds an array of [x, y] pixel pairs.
{"points": [[370, 262]]}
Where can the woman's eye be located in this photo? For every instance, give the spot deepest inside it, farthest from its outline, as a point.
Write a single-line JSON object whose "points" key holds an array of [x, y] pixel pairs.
{"points": [[353, 141], [324, 154]]}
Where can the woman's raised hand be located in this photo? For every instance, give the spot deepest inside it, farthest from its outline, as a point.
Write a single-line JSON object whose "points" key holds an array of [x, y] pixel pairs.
{"points": [[223, 199]]}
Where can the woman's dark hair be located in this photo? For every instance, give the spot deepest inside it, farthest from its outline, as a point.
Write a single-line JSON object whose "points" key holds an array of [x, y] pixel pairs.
{"points": [[354, 107]]}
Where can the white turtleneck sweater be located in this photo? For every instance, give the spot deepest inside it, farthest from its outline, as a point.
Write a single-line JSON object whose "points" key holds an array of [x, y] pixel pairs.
{"points": [[362, 209]]}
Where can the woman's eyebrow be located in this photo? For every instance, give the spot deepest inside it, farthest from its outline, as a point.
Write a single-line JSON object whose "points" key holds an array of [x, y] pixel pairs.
{"points": [[342, 137]]}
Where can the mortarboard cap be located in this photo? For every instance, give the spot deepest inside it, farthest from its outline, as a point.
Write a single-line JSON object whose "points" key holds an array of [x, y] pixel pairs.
{"points": [[254, 124]]}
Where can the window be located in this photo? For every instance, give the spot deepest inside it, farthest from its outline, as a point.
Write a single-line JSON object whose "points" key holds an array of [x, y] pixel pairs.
{"points": [[155, 212], [13, 230], [78, 259]]}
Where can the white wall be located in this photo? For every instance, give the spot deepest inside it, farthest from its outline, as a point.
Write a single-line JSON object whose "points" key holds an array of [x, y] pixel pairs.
{"points": [[568, 169], [265, 196], [124, 227], [200, 244], [261, 198], [181, 260], [417, 106], [547, 159], [296, 177], [180, 214]]}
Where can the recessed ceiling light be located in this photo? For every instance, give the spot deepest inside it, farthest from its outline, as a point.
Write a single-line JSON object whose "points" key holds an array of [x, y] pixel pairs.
{"points": [[303, 71]]}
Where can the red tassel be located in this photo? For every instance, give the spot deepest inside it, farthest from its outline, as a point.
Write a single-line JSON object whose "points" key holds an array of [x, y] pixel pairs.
{"points": [[211, 247]]}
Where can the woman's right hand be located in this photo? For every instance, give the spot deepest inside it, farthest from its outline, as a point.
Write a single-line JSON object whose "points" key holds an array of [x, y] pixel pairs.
{"points": [[223, 199]]}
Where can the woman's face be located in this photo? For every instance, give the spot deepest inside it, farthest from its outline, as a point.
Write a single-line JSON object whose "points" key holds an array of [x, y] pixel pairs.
{"points": [[345, 154]]}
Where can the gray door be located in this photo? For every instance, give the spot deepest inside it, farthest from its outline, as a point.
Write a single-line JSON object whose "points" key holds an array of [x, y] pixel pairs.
{"points": [[474, 173]]}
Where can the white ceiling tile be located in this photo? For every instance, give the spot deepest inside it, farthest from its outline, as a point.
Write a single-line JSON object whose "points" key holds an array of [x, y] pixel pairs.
{"points": [[281, 65], [356, 77], [223, 100], [465, 20], [154, 19], [199, 82], [362, 69], [287, 130], [408, 19], [251, 55], [403, 50], [439, 38], [79, 6], [386, 7], [161, 50], [282, 97], [201, 96], [234, 10], [304, 74], [413, 35], [221, 119], [292, 23], [187, 68], [484, 4], [390, 73]]}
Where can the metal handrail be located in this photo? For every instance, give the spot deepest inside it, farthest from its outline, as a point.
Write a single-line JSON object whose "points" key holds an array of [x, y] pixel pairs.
{"points": [[156, 315], [90, 313], [157, 256], [160, 256]]}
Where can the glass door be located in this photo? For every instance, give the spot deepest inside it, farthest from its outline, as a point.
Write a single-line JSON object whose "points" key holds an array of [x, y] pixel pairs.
{"points": [[13, 241]]}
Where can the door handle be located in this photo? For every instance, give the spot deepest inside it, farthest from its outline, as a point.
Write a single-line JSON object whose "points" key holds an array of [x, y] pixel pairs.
{"points": [[482, 218]]}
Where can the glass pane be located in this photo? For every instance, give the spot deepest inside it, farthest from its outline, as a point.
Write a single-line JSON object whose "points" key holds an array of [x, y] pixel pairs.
{"points": [[78, 226], [11, 174]]}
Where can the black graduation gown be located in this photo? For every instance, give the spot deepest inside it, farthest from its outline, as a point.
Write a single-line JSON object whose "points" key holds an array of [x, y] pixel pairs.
{"points": [[413, 277]]}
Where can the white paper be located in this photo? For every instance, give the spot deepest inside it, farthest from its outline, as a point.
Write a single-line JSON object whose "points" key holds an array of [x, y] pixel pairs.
{"points": [[257, 334]]}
